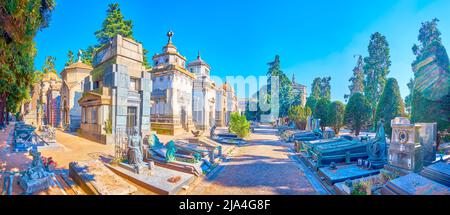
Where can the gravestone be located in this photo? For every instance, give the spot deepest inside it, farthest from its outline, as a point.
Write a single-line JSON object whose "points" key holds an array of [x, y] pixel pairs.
{"points": [[405, 150]]}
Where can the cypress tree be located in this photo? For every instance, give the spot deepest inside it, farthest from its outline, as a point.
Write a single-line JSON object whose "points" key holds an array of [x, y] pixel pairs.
{"points": [[357, 113], [431, 78], [390, 105]]}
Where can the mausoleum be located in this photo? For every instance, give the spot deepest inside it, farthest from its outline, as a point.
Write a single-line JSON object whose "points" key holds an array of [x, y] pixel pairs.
{"points": [[116, 95]]}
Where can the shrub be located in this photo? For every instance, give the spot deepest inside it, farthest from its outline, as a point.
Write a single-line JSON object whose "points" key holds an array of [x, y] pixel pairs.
{"points": [[239, 125]]}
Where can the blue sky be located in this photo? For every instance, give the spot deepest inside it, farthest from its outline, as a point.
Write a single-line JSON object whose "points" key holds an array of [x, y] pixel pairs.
{"points": [[238, 37]]}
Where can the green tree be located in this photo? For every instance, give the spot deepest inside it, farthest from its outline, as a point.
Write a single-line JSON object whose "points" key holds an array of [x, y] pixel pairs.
{"points": [[114, 24], [299, 115], [311, 103], [316, 91], [376, 69], [239, 124], [390, 105], [408, 98], [20, 22], [336, 111], [88, 55], [431, 87], [357, 80], [285, 93], [321, 112], [49, 65], [70, 58], [357, 113], [325, 88]]}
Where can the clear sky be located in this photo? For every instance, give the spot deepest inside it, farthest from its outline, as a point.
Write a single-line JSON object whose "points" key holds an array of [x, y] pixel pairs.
{"points": [[239, 37]]}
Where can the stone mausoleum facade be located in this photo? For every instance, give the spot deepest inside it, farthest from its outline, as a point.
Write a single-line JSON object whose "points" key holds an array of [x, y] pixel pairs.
{"points": [[116, 96], [171, 97], [71, 91]]}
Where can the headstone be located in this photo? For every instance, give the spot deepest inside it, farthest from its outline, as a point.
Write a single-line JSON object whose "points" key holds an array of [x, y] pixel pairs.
{"points": [[405, 150]]}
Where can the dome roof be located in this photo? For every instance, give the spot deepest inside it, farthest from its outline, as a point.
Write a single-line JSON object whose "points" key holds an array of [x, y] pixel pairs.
{"points": [[199, 61], [80, 65], [51, 76]]}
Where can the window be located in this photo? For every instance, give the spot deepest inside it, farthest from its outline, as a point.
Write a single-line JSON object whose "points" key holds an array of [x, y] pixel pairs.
{"points": [[94, 115], [96, 85], [131, 119], [134, 84], [156, 63]]}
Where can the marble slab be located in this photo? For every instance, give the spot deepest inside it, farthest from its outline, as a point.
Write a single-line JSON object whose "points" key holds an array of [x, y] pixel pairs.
{"points": [[158, 180], [94, 174], [414, 184], [344, 172]]}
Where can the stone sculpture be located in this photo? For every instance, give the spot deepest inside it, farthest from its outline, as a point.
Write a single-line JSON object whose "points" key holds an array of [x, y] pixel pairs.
{"points": [[376, 148], [36, 178], [171, 150], [135, 149], [212, 132]]}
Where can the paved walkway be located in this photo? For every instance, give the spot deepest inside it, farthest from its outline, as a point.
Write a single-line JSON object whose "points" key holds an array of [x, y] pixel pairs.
{"points": [[261, 167]]}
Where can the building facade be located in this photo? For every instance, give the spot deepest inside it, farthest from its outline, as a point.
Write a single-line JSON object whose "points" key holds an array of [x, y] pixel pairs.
{"points": [[171, 111], [71, 91], [204, 95], [116, 95]]}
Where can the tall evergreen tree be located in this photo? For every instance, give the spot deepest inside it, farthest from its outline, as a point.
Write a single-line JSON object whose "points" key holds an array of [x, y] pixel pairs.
{"points": [[316, 89], [357, 80], [114, 24], [325, 88], [408, 98], [285, 86], [357, 113], [431, 78], [376, 69], [390, 105]]}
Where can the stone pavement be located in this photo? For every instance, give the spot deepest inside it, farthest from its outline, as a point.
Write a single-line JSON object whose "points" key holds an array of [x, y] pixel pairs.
{"points": [[262, 167]]}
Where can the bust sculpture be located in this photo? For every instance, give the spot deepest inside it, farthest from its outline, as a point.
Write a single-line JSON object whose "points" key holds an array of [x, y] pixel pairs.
{"points": [[135, 149]]}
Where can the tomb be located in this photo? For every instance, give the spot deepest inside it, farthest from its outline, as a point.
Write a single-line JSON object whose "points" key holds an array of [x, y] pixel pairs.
{"points": [[412, 146], [414, 184], [71, 91], [36, 178], [95, 178], [116, 94], [171, 112], [131, 164]]}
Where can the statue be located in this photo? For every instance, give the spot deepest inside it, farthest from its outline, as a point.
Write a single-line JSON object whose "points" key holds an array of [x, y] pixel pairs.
{"points": [[212, 132], [35, 178], [171, 150], [135, 149], [376, 149], [80, 53], [156, 142]]}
